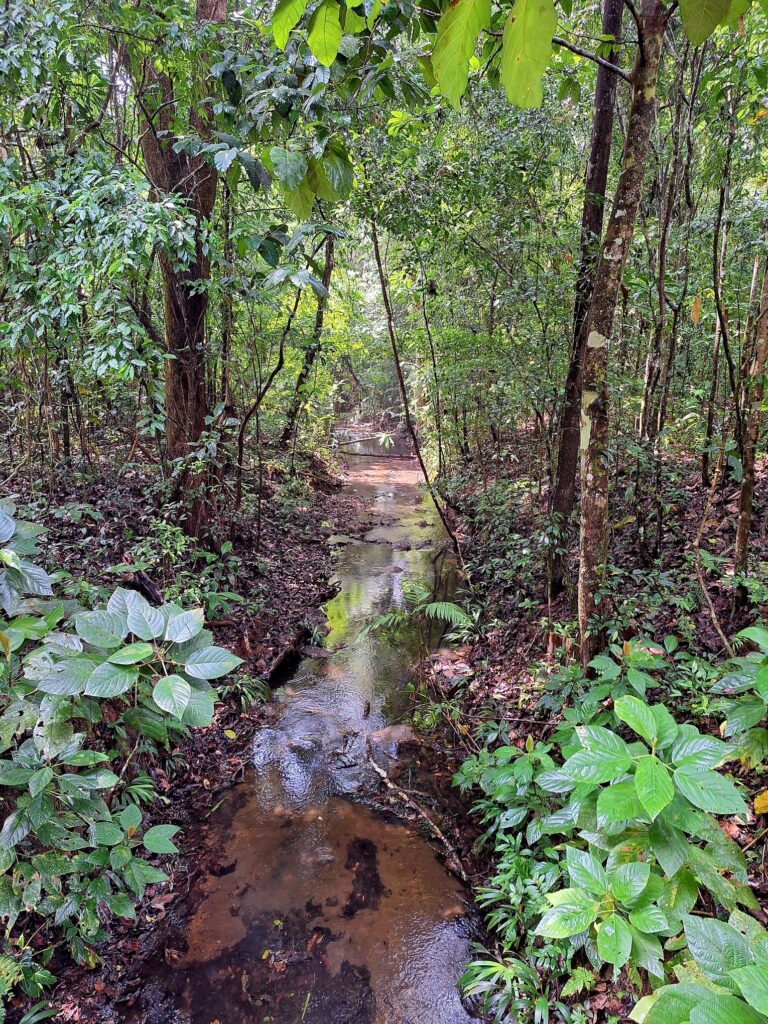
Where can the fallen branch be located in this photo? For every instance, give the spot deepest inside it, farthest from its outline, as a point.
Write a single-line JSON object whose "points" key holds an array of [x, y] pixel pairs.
{"points": [[452, 857]]}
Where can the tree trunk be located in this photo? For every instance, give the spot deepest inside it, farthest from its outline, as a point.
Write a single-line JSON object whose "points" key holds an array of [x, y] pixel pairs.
{"points": [[313, 349], [751, 437], [564, 497], [185, 302], [593, 539]]}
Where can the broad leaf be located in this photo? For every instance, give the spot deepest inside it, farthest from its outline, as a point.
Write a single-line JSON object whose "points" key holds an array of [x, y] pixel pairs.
{"points": [[325, 33], [290, 166], [614, 941], [158, 839], [172, 693], [457, 33], [710, 791], [527, 50], [211, 663], [700, 19], [286, 16], [653, 784], [638, 716], [184, 625], [108, 680]]}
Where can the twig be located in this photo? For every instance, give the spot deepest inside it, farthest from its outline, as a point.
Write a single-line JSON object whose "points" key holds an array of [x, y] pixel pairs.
{"points": [[452, 858], [697, 548]]}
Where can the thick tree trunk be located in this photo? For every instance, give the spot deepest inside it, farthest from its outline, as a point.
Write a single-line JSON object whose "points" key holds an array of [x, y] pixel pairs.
{"points": [[313, 349], [185, 302], [564, 496], [751, 437], [593, 539]]}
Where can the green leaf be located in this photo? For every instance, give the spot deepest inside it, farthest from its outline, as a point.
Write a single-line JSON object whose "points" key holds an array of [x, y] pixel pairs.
{"points": [[673, 1004], [666, 727], [286, 17], [66, 678], [325, 32], [669, 846], [300, 200], [290, 166], [338, 167], [457, 33], [122, 906], [158, 839], [130, 817], [184, 625], [619, 802], [110, 680], [131, 654], [199, 711], [653, 784], [144, 621], [527, 50], [717, 948], [101, 629], [629, 880], [638, 716], [106, 833], [710, 791], [40, 780], [605, 758], [725, 1010], [211, 662], [649, 919], [753, 984], [574, 912], [691, 748], [172, 694], [700, 19], [585, 870], [614, 941]]}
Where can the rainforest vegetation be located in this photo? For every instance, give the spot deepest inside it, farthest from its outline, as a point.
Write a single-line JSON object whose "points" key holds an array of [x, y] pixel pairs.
{"points": [[524, 241]]}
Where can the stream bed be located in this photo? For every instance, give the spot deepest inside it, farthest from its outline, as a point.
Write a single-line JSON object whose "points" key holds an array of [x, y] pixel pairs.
{"points": [[326, 911]]}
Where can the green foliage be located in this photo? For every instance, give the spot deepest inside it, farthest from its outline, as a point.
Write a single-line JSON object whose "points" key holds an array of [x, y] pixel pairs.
{"points": [[625, 812], [73, 832]]}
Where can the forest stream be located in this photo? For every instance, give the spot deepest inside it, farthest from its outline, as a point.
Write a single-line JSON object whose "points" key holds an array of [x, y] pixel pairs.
{"points": [[326, 911]]}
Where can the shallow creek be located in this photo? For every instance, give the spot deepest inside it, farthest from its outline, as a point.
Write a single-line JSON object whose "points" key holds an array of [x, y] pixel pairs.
{"points": [[326, 912]]}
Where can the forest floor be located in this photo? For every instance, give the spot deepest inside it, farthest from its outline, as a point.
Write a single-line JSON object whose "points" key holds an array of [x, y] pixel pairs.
{"points": [[97, 522]]}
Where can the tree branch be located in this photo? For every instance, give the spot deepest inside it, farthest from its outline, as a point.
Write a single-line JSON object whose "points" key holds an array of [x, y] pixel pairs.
{"points": [[557, 41]]}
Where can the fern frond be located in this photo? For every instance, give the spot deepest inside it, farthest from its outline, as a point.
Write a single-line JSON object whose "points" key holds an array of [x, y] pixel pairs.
{"points": [[447, 611]]}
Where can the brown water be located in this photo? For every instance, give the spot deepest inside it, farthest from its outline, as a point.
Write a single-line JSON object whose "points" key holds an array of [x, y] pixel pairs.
{"points": [[327, 913]]}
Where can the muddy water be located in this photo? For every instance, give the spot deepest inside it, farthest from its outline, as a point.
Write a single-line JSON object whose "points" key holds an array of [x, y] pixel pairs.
{"points": [[325, 912]]}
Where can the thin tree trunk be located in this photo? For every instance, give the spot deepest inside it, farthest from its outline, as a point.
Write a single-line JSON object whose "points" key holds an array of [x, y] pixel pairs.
{"points": [[593, 539], [564, 496], [313, 349]]}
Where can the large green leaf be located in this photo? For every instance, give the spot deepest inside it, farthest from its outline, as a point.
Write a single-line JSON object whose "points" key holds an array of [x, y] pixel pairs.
{"points": [[605, 758], [585, 870], [172, 693], [638, 716], [697, 750], [158, 839], [101, 629], [614, 941], [325, 33], [619, 802], [132, 654], [753, 982], [199, 711], [66, 678], [527, 50], [457, 33], [629, 880], [144, 621], [717, 948], [673, 1003], [286, 16], [290, 166], [700, 19], [108, 680], [338, 167], [574, 911], [725, 1010], [184, 626], [211, 663], [653, 784], [710, 791]]}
